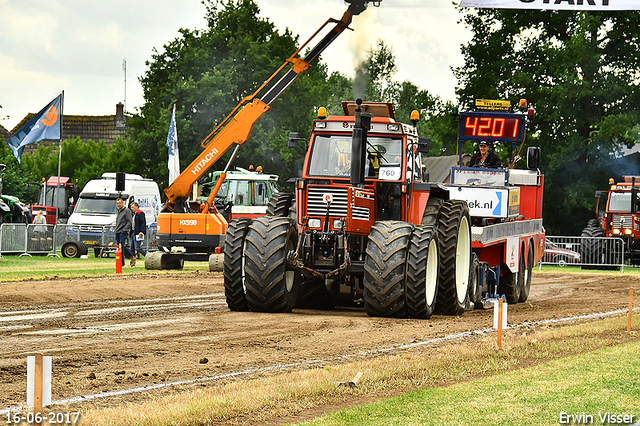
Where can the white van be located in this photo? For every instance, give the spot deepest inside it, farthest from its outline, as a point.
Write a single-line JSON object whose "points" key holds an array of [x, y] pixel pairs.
{"points": [[93, 220], [97, 202]]}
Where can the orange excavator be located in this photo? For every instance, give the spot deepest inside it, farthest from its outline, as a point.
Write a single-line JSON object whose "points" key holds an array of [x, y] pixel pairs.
{"points": [[190, 231]]}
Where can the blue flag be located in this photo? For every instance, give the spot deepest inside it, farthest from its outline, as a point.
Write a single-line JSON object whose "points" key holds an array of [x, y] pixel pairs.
{"points": [[172, 144], [44, 125]]}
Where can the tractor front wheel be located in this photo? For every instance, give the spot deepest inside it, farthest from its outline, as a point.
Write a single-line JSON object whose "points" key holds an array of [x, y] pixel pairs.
{"points": [[270, 285], [422, 272], [454, 247]]}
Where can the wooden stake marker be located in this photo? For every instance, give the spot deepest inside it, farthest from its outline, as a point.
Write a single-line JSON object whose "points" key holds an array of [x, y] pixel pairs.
{"points": [[38, 383]]}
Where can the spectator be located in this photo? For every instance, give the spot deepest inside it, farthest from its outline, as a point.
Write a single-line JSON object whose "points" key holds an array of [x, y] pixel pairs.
{"points": [[123, 228], [139, 229], [27, 213], [40, 229]]}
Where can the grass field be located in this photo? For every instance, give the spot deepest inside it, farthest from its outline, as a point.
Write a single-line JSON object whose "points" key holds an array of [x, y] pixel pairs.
{"points": [[588, 386], [586, 368], [16, 268], [591, 369]]}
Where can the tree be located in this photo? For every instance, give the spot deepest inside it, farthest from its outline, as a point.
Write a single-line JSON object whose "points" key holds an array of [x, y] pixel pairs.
{"points": [[206, 74], [80, 160], [580, 71], [376, 78]]}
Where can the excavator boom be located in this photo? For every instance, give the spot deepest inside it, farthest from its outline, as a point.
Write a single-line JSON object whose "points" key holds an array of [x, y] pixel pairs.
{"points": [[237, 126]]}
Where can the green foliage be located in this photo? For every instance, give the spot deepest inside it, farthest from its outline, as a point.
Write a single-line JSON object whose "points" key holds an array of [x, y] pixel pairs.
{"points": [[579, 71], [80, 160]]}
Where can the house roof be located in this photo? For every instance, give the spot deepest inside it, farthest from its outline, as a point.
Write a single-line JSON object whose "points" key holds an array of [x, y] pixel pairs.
{"points": [[94, 127], [439, 168], [4, 133]]}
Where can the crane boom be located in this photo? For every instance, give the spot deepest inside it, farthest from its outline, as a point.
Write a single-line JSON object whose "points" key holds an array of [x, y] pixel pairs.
{"points": [[237, 126]]}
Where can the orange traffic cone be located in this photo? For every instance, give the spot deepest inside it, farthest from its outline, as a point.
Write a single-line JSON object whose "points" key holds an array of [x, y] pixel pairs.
{"points": [[118, 260]]}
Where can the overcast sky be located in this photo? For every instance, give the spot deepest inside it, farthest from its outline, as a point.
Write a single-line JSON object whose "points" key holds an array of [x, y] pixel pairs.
{"points": [[47, 46]]}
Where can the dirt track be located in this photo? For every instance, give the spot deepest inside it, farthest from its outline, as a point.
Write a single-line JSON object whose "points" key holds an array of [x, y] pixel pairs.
{"points": [[107, 334]]}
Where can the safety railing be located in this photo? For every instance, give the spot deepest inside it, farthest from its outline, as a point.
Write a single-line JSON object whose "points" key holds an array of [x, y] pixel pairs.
{"points": [[586, 252], [36, 239]]}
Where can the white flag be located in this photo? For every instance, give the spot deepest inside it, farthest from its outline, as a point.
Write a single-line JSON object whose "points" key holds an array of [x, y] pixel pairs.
{"points": [[594, 5], [172, 144]]}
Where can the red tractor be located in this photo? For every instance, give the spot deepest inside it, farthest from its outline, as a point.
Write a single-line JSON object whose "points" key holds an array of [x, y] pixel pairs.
{"points": [[66, 193], [618, 217], [367, 226]]}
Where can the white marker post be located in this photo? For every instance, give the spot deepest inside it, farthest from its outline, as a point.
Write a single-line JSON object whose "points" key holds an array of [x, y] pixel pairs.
{"points": [[630, 310], [38, 383], [496, 309]]}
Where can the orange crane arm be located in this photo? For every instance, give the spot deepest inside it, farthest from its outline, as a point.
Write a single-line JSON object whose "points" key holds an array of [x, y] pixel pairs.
{"points": [[237, 126]]}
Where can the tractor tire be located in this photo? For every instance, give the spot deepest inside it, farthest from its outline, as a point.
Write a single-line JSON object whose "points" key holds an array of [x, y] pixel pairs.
{"points": [[592, 251], [432, 211], [454, 249], [593, 223], [510, 285], [528, 272], [279, 205], [314, 294], [270, 285], [72, 249], [233, 264], [422, 272], [385, 269]]}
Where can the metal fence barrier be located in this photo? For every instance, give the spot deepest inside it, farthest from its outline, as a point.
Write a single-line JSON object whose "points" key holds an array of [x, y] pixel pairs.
{"points": [[587, 252], [36, 239]]}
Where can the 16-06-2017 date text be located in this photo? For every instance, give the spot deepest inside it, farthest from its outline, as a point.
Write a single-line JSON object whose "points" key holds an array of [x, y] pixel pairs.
{"points": [[52, 418]]}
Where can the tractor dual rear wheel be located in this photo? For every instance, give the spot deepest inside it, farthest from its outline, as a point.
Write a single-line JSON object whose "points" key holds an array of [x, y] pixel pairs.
{"points": [[385, 269], [454, 247], [422, 272], [270, 285], [233, 265]]}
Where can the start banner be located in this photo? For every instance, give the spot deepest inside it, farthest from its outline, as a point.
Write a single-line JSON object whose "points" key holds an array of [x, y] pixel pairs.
{"points": [[579, 5]]}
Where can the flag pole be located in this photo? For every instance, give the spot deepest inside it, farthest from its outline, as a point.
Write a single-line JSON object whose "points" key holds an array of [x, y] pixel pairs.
{"points": [[57, 192]]}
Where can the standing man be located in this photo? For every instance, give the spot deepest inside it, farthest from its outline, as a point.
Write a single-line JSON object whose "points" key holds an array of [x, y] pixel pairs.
{"points": [[485, 158], [139, 229], [123, 228], [27, 213]]}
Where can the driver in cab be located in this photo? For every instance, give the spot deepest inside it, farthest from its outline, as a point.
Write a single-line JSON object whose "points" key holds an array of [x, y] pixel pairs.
{"points": [[485, 158]]}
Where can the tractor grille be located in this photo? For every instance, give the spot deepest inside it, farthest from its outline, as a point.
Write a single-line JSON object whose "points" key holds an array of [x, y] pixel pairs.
{"points": [[360, 213], [628, 221], [316, 207]]}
